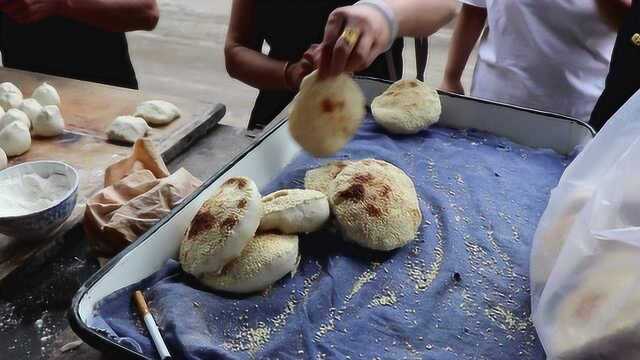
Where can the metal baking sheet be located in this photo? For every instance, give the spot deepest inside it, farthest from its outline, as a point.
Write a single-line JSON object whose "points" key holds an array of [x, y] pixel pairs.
{"points": [[269, 155]]}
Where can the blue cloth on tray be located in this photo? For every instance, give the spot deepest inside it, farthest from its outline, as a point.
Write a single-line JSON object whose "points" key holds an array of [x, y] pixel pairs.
{"points": [[460, 291]]}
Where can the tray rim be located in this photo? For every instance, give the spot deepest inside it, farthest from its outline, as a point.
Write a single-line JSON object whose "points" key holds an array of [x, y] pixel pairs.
{"points": [[106, 344]]}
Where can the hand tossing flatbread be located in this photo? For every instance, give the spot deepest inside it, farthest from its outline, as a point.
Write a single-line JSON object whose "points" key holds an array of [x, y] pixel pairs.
{"points": [[326, 113]]}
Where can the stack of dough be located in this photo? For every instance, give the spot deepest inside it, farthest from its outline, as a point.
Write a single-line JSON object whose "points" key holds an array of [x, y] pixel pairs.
{"points": [[374, 202], [407, 107], [326, 113], [38, 116], [222, 248]]}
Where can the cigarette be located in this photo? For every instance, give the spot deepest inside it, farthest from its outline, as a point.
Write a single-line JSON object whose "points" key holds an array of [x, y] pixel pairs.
{"points": [[143, 310]]}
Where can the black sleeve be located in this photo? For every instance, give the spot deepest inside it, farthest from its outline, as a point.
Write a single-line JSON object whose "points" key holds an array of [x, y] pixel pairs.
{"points": [[624, 73]]}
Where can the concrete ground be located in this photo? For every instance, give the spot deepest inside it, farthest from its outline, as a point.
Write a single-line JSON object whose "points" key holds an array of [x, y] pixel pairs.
{"points": [[184, 56]]}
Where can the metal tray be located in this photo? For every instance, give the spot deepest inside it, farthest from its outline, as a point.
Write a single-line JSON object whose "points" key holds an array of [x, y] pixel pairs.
{"points": [[265, 159]]}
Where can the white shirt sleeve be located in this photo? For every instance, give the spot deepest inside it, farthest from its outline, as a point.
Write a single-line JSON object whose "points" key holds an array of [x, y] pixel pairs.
{"points": [[477, 3]]}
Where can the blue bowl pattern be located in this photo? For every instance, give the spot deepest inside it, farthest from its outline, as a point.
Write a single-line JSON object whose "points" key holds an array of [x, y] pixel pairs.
{"points": [[41, 224]]}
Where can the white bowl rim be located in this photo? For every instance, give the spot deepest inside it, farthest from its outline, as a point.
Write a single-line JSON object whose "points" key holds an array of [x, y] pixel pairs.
{"points": [[66, 196]]}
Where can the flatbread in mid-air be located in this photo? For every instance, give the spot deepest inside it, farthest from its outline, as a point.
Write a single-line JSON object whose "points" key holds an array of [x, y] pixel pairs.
{"points": [[326, 113]]}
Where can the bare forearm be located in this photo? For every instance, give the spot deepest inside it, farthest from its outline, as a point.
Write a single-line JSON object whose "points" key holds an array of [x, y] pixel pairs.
{"points": [[419, 18], [470, 24], [254, 68], [113, 15]]}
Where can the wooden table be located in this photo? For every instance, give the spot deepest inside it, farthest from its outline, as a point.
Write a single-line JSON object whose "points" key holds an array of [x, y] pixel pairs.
{"points": [[88, 109]]}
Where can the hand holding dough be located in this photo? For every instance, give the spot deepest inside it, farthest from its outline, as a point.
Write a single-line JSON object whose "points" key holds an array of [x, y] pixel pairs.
{"points": [[15, 139], [10, 96], [127, 129], [157, 112], [46, 94], [3, 160], [32, 108], [49, 122], [14, 115]]}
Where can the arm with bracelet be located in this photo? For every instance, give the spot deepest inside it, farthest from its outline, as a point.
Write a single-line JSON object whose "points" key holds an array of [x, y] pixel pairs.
{"points": [[355, 35]]}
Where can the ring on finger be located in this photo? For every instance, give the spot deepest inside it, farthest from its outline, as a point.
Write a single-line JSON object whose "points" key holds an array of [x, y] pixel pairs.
{"points": [[350, 35]]}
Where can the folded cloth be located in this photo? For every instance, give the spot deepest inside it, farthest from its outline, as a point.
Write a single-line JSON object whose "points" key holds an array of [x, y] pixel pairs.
{"points": [[139, 193]]}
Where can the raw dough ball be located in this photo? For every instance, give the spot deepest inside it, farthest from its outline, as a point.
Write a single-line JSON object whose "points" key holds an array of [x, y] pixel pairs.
{"points": [[15, 139], [3, 160], [376, 205], [326, 113], [46, 94], [265, 260], [32, 108], [49, 122], [294, 211], [127, 129], [601, 305], [319, 179], [407, 107], [10, 96], [14, 115], [157, 112], [222, 228]]}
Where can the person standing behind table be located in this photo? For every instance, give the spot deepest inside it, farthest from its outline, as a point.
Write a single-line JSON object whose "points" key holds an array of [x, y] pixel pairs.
{"points": [[624, 75], [79, 39], [551, 55]]}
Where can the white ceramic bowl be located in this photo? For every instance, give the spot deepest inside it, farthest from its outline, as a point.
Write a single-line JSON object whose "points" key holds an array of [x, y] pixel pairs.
{"points": [[40, 224]]}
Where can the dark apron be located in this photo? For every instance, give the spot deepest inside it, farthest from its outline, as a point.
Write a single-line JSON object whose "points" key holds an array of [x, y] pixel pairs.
{"points": [[290, 27], [62, 47], [624, 72]]}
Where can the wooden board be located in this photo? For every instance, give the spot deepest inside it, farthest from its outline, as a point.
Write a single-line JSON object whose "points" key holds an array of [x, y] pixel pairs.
{"points": [[88, 109]]}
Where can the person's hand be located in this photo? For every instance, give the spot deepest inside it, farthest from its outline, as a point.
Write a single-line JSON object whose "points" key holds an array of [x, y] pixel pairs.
{"points": [[451, 85], [297, 71], [30, 11], [339, 53]]}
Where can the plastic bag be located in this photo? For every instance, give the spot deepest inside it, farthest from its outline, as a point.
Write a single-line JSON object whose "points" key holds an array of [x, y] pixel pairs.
{"points": [[586, 251]]}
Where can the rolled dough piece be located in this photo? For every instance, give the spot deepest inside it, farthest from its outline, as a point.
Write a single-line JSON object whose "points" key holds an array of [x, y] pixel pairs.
{"points": [[222, 228], [376, 205], [32, 108], [294, 211], [49, 122], [326, 113], [46, 94], [157, 112], [407, 107], [14, 115], [127, 129], [265, 260], [15, 139], [10, 96], [3, 160]]}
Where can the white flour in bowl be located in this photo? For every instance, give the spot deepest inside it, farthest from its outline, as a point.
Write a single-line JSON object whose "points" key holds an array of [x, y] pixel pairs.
{"points": [[31, 193]]}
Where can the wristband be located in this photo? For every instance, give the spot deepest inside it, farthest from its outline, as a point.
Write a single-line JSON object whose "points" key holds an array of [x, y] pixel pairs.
{"points": [[286, 79], [388, 14]]}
